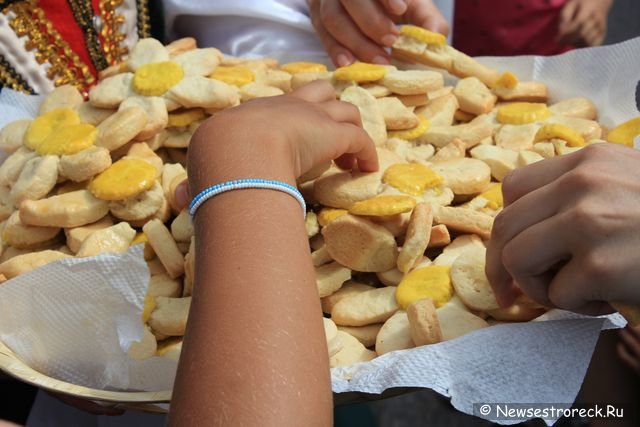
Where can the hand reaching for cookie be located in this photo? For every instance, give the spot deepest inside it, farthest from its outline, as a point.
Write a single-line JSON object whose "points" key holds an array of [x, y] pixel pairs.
{"points": [[303, 129], [584, 22], [281, 138], [569, 231], [357, 29]]}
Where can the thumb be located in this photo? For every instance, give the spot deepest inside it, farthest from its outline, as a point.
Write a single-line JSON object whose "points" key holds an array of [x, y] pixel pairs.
{"points": [[182, 196]]}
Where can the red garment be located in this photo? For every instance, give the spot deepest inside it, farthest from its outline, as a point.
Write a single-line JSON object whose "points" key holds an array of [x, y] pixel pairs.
{"points": [[61, 16], [508, 27]]}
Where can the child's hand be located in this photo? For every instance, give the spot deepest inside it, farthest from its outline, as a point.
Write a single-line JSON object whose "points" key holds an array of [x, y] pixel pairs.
{"points": [[280, 138], [569, 235], [584, 22], [360, 29]]}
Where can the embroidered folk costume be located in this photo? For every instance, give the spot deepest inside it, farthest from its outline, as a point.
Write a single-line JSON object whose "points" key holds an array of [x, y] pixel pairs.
{"points": [[49, 43]]}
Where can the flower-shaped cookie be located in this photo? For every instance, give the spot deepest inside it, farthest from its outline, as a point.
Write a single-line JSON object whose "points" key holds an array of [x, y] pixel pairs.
{"points": [[179, 81]]}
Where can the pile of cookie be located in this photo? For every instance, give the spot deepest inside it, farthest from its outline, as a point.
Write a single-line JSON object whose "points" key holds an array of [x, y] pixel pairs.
{"points": [[399, 253]]}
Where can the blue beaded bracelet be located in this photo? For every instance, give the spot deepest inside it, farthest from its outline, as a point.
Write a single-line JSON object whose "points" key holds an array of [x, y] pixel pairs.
{"points": [[240, 184]]}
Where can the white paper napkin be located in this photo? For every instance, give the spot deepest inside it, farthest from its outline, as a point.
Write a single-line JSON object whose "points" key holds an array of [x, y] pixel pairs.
{"points": [[75, 319]]}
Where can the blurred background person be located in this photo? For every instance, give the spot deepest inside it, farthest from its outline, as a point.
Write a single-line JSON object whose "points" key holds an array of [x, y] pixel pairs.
{"points": [[528, 27], [350, 29], [355, 29]]}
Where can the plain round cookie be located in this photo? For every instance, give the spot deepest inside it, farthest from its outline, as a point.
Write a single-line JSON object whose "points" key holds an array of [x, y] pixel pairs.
{"points": [[470, 281], [360, 245]]}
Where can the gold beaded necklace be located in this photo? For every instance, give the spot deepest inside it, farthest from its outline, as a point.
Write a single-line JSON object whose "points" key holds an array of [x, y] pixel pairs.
{"points": [[111, 38], [10, 78], [90, 25]]}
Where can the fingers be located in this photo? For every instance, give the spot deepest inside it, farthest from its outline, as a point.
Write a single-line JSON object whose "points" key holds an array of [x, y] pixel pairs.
{"points": [[182, 196], [596, 36], [342, 112], [323, 94], [338, 53], [395, 7], [586, 34], [550, 273], [345, 31], [357, 143], [350, 29], [424, 13], [592, 33], [525, 180], [571, 38], [573, 287], [346, 162], [530, 209], [568, 24], [354, 146], [506, 291], [531, 258], [316, 91], [582, 24], [372, 21]]}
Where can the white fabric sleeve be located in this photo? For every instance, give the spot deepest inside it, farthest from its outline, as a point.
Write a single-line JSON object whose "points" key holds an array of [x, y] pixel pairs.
{"points": [[276, 28]]}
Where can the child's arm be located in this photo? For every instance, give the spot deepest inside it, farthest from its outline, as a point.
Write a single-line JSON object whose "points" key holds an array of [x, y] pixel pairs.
{"points": [[360, 29], [254, 350]]}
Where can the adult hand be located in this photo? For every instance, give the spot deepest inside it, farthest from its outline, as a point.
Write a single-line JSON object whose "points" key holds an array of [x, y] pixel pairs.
{"points": [[360, 29], [584, 22], [569, 232]]}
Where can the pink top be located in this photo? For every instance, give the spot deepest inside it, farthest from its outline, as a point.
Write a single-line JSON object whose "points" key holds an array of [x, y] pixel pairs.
{"points": [[508, 27]]}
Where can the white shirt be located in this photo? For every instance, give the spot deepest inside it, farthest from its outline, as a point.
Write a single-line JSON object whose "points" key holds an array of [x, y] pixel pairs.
{"points": [[276, 28]]}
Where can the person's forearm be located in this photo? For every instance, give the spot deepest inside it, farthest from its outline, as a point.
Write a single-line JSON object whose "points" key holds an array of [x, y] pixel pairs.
{"points": [[254, 284], [255, 352]]}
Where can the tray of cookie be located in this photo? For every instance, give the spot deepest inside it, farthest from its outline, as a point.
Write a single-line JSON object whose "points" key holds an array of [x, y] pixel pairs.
{"points": [[399, 254]]}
